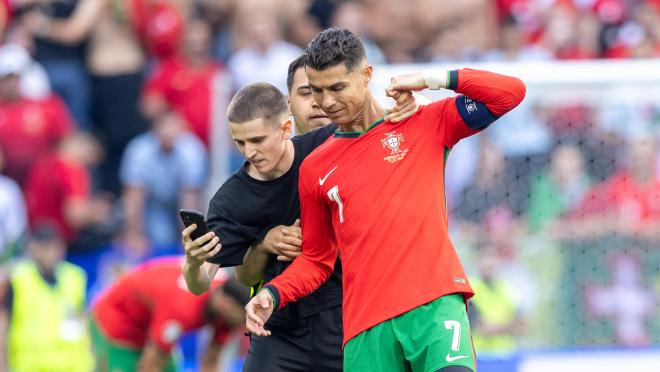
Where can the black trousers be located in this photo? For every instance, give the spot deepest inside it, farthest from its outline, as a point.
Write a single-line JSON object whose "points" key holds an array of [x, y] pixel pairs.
{"points": [[313, 347]]}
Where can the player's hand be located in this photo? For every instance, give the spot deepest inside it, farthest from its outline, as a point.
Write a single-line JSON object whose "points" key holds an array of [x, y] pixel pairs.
{"points": [[257, 313], [406, 106], [407, 82], [198, 250], [283, 241], [401, 90]]}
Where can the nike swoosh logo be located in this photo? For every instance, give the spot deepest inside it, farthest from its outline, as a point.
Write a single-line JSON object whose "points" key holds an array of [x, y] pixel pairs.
{"points": [[450, 358], [322, 180]]}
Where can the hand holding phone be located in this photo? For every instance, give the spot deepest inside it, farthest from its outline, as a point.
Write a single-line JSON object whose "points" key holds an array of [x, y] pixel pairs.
{"points": [[197, 252], [190, 217]]}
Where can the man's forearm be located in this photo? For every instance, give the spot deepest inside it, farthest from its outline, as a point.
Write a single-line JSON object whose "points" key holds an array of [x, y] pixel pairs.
{"points": [[254, 264], [197, 277], [500, 93], [300, 279]]}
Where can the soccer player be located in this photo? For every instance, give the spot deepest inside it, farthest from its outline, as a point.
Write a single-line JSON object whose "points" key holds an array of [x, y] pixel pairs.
{"points": [[374, 191], [255, 212], [137, 321]]}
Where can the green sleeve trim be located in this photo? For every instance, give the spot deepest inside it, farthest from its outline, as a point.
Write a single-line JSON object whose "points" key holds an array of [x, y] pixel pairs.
{"points": [[275, 302]]}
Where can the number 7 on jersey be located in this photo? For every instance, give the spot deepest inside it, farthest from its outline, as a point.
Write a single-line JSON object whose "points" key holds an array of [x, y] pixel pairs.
{"points": [[333, 194]]}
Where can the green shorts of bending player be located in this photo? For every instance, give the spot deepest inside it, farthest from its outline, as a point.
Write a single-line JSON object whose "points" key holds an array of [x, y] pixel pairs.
{"points": [[427, 338], [113, 357]]}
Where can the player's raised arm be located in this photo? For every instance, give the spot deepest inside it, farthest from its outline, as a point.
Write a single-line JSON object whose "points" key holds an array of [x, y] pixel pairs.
{"points": [[307, 272], [484, 96]]}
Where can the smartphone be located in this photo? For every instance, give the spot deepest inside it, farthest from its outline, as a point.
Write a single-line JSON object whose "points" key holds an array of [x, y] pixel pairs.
{"points": [[190, 217]]}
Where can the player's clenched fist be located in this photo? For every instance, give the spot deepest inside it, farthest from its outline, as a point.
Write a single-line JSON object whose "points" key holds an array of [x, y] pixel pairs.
{"points": [[198, 250], [257, 313], [408, 82], [400, 89]]}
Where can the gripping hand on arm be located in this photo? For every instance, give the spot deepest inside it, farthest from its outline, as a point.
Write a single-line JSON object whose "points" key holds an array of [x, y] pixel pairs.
{"points": [[282, 241]]}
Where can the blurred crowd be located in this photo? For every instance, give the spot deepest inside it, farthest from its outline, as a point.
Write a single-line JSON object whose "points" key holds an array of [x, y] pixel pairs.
{"points": [[107, 106]]}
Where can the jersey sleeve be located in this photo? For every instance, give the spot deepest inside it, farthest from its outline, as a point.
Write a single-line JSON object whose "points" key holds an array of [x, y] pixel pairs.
{"points": [[235, 237], [482, 98], [319, 248]]}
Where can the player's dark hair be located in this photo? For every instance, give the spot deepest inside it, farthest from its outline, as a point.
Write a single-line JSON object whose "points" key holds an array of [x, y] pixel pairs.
{"points": [[293, 67], [258, 100], [333, 46]]}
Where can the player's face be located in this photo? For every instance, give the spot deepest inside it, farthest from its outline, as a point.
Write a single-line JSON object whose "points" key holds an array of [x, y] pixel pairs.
{"points": [[306, 112], [263, 144], [340, 93]]}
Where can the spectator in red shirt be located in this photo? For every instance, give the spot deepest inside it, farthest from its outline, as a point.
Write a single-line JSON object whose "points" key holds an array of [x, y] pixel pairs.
{"points": [[184, 83], [29, 128], [137, 322], [58, 187]]}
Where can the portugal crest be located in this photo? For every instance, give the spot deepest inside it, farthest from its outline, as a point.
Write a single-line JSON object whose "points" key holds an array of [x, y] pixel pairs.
{"points": [[393, 142]]}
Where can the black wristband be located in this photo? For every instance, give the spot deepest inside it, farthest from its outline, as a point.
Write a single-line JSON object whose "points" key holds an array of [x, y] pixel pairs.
{"points": [[452, 81]]}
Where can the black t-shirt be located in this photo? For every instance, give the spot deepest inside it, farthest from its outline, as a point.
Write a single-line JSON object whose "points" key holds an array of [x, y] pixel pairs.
{"points": [[244, 209]]}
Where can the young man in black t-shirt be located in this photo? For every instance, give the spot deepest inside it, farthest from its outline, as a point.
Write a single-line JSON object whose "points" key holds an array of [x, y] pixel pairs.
{"points": [[255, 215]]}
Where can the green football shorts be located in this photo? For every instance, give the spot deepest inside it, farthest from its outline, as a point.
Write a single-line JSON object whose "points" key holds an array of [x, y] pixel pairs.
{"points": [[116, 358], [424, 339]]}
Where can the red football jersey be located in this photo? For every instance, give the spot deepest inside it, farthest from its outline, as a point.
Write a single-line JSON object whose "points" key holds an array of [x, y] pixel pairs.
{"points": [[378, 197], [152, 302]]}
